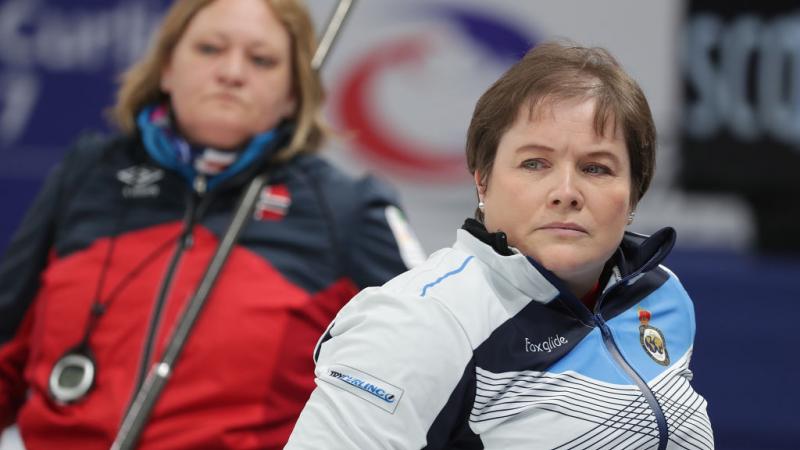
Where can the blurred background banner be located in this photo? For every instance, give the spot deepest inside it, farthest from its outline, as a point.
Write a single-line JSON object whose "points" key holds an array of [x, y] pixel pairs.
{"points": [[58, 64], [722, 78], [741, 129]]}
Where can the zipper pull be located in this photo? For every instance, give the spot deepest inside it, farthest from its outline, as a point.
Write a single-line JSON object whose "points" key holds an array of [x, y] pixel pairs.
{"points": [[200, 184], [601, 323], [188, 240]]}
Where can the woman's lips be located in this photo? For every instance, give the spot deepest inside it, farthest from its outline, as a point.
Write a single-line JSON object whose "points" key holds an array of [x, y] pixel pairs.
{"points": [[564, 229]]}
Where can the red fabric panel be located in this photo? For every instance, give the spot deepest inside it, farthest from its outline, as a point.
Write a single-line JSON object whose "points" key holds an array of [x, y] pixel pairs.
{"points": [[242, 379], [13, 355]]}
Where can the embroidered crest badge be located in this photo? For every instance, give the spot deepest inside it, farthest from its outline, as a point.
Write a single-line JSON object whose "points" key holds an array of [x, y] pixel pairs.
{"points": [[652, 339]]}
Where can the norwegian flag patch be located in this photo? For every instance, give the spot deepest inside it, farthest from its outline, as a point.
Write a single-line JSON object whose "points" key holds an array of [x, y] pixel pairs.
{"points": [[273, 203]]}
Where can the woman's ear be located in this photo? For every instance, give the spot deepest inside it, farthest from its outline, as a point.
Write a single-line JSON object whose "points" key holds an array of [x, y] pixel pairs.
{"points": [[631, 212], [291, 109], [480, 184], [166, 79]]}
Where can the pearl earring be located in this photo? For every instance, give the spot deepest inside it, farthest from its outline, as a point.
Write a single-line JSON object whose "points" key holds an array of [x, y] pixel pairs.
{"points": [[631, 216], [481, 205]]}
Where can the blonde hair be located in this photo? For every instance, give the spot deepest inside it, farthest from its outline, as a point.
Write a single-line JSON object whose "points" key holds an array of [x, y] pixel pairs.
{"points": [[141, 83]]}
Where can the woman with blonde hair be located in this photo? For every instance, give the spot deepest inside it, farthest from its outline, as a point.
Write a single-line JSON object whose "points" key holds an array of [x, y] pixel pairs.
{"points": [[121, 240]]}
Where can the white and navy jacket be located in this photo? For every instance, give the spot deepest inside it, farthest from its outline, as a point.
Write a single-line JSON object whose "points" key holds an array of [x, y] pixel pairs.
{"points": [[477, 349]]}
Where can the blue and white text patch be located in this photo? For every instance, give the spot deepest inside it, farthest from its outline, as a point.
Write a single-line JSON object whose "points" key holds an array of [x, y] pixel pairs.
{"points": [[374, 390]]}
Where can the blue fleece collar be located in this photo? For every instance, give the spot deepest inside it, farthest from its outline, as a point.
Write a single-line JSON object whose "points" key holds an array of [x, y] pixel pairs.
{"points": [[171, 150]]}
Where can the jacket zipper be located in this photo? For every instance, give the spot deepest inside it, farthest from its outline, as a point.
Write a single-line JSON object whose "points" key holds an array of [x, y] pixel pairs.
{"points": [[611, 346], [184, 241]]}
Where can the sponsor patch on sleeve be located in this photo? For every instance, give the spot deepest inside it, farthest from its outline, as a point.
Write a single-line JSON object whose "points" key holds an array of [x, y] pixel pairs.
{"points": [[374, 390]]}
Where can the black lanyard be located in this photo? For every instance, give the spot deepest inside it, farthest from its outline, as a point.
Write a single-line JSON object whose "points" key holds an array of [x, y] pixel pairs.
{"points": [[157, 377]]}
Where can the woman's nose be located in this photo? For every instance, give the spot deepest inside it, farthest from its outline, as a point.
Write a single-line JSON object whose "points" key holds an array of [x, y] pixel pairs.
{"points": [[565, 191], [232, 68]]}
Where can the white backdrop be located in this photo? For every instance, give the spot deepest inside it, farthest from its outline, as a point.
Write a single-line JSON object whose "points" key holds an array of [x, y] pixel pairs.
{"points": [[421, 104]]}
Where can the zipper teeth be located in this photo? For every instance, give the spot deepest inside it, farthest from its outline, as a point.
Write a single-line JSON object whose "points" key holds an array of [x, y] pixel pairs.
{"points": [[611, 345]]}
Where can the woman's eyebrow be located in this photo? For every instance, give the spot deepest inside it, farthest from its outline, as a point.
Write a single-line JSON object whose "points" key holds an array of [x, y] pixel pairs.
{"points": [[534, 147], [602, 153]]}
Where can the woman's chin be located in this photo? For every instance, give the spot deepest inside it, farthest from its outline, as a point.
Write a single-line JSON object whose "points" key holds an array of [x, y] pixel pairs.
{"points": [[221, 138], [572, 267]]}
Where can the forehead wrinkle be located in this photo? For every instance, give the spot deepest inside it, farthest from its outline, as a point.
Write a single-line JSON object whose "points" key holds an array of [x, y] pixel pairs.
{"points": [[604, 118]]}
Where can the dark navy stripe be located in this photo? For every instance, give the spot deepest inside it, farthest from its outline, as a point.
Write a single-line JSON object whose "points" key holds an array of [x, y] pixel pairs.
{"points": [[451, 430], [324, 339]]}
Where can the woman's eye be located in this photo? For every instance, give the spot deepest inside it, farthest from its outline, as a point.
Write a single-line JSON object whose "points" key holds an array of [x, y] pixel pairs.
{"points": [[533, 164], [597, 169], [264, 61], [208, 49]]}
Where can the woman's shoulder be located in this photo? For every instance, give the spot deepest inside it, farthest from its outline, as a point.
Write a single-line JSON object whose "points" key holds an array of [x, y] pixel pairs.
{"points": [[359, 204], [448, 288], [89, 149], [440, 268], [451, 278], [671, 282], [329, 175], [92, 146]]}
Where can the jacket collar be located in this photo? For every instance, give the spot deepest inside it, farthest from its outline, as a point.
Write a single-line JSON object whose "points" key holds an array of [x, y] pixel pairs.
{"points": [[160, 141], [514, 268], [636, 255]]}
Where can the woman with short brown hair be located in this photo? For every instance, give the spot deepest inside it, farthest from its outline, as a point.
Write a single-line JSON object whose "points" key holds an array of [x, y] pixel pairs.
{"points": [[546, 324]]}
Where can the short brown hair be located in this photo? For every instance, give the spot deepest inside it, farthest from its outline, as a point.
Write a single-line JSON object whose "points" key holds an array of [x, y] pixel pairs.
{"points": [[554, 72], [141, 84]]}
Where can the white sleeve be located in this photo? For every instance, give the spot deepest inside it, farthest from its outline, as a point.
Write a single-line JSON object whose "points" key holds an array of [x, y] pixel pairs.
{"points": [[384, 374]]}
